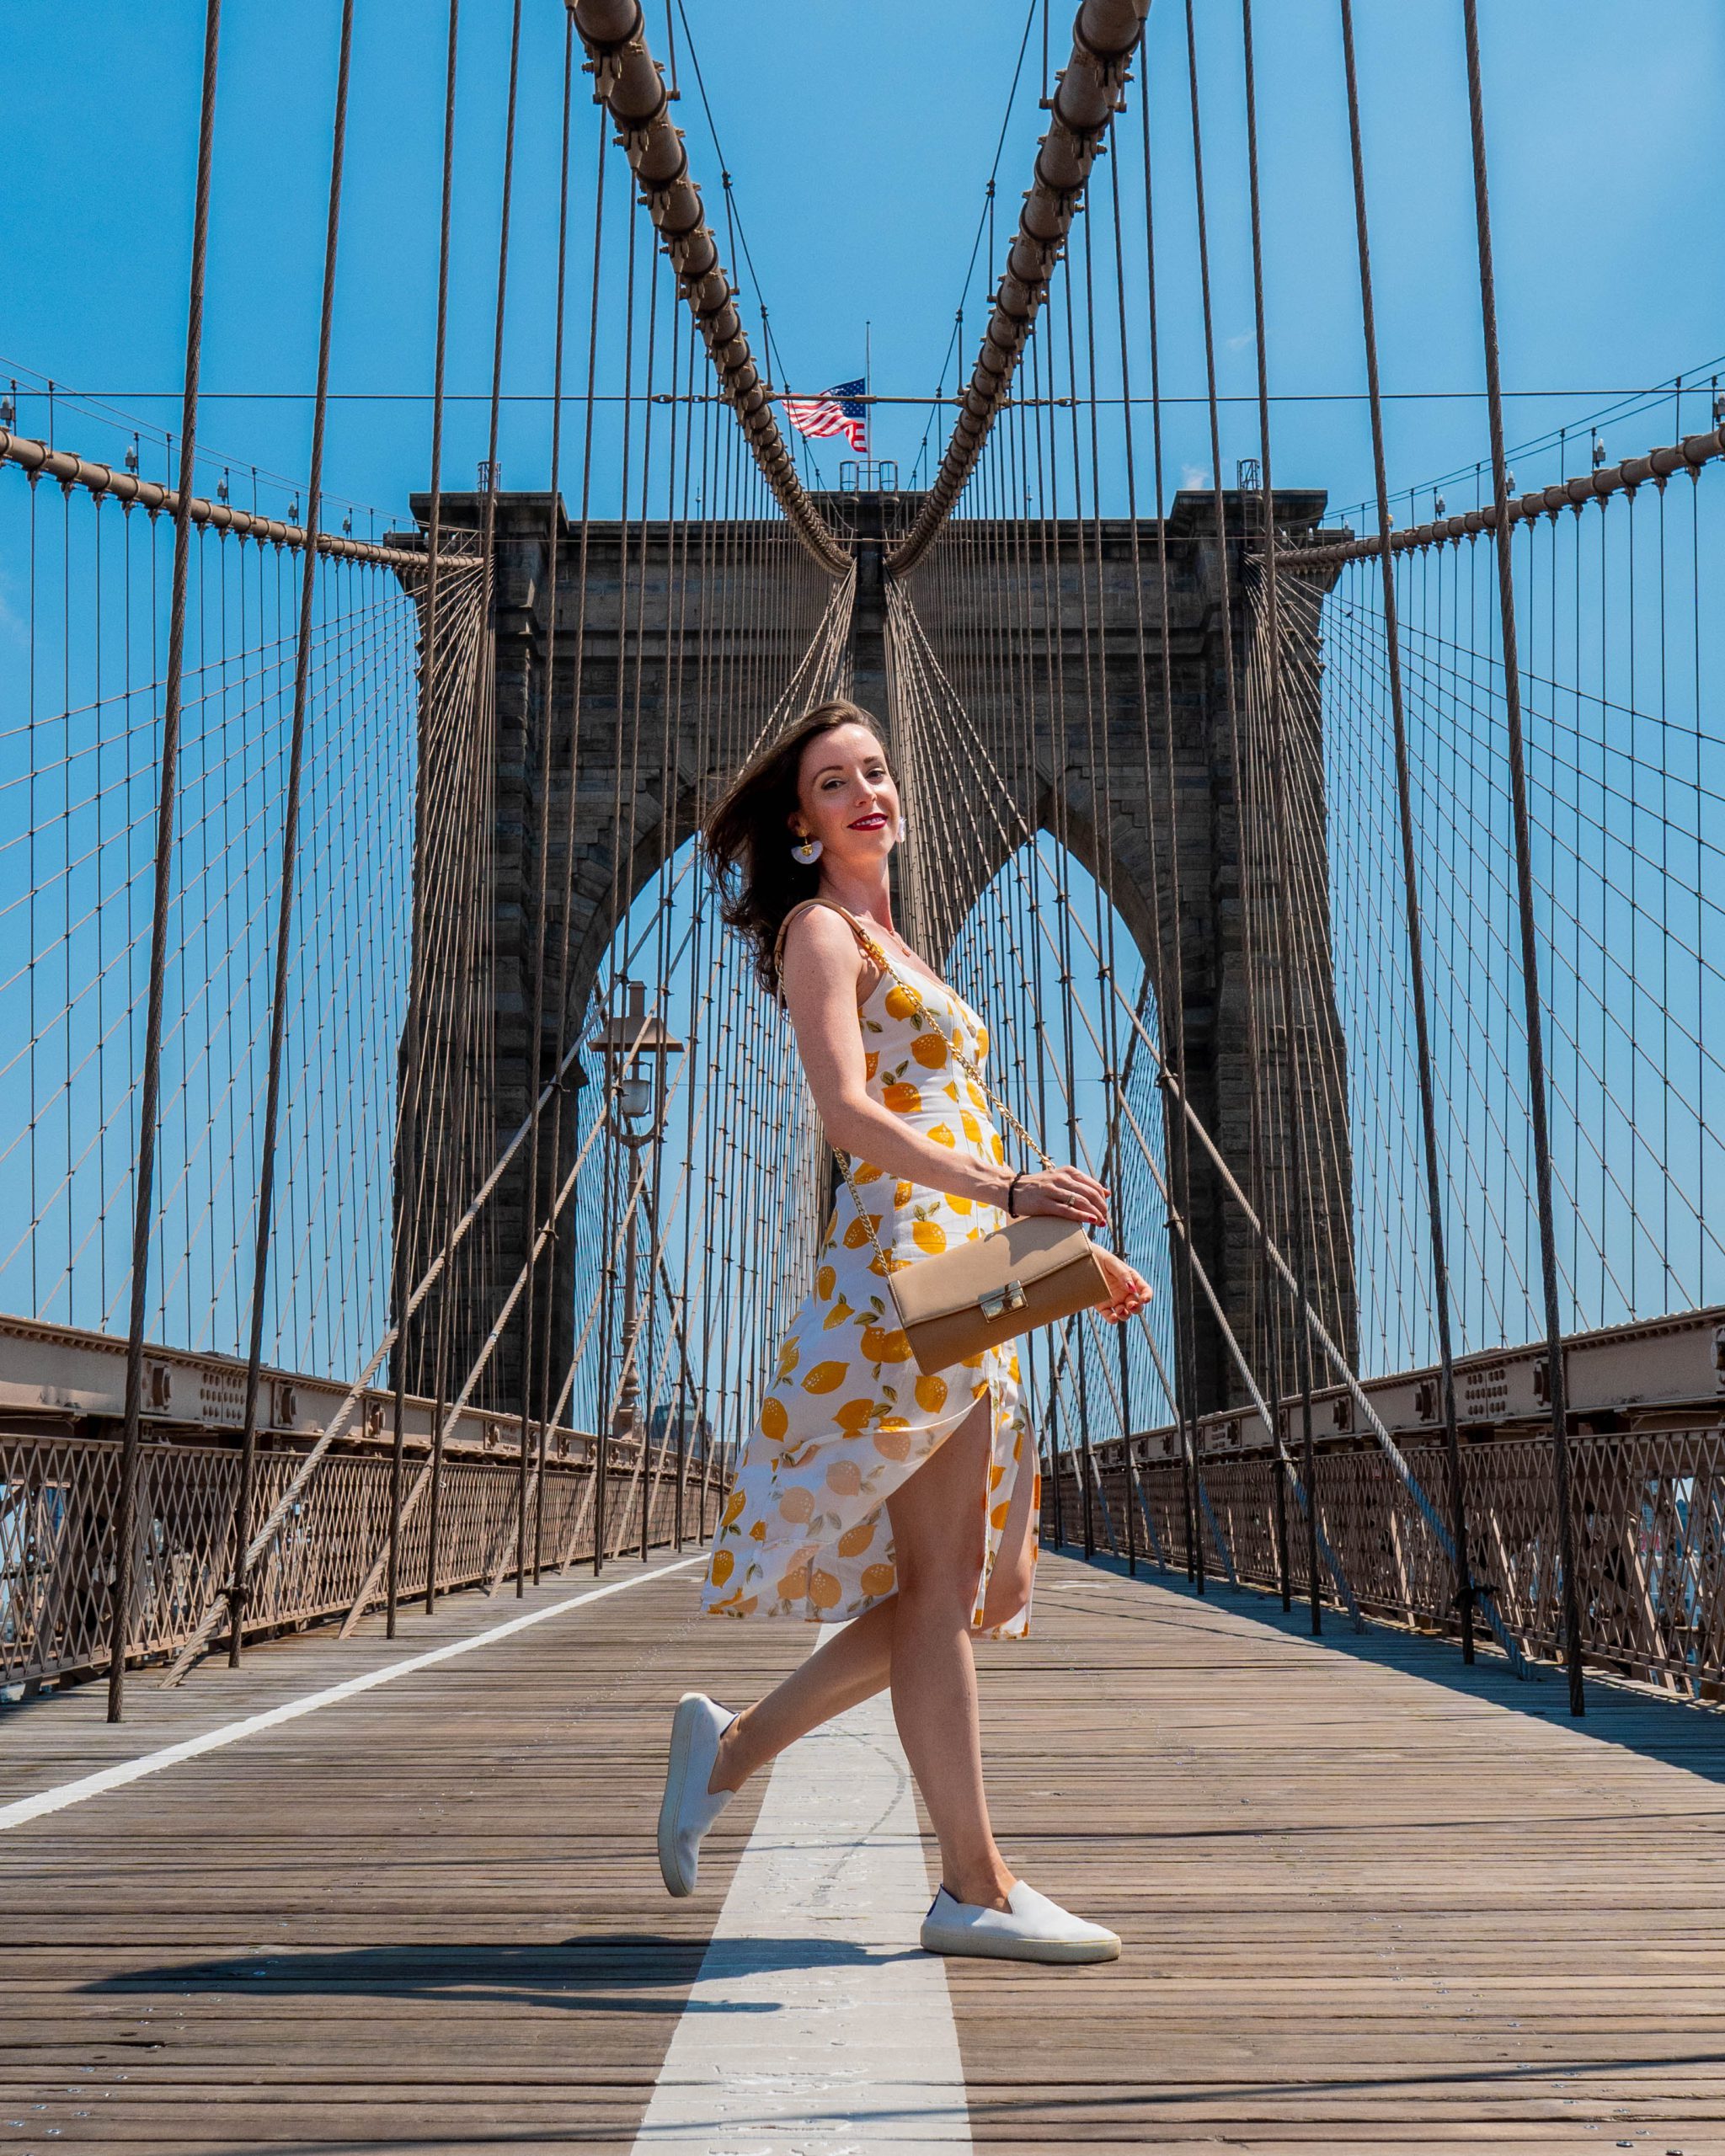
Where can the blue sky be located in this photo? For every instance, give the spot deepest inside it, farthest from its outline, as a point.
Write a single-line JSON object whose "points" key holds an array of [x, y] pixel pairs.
{"points": [[859, 142]]}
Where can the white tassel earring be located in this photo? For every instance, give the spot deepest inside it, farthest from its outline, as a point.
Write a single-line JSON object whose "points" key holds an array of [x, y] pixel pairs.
{"points": [[899, 834], [807, 852]]}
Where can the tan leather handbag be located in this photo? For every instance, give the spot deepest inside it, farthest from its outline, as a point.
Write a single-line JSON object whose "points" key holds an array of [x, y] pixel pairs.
{"points": [[1025, 1273]]}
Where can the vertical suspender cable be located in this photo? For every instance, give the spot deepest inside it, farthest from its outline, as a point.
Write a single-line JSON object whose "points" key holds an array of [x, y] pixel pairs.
{"points": [[1272, 1339], [290, 847], [1410, 872], [577, 675], [1104, 798], [1174, 964], [669, 775], [122, 1556], [530, 1211], [1294, 1135], [1254, 1049], [652, 1179], [484, 661], [1048, 566], [1524, 875], [693, 1387], [625, 1156], [1156, 973], [1081, 1450], [706, 1423], [409, 1080]]}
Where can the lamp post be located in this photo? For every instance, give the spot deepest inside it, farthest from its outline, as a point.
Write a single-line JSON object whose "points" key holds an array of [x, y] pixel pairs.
{"points": [[636, 1050]]}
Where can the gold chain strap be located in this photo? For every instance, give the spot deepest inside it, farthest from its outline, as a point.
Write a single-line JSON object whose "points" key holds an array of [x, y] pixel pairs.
{"points": [[922, 1013]]}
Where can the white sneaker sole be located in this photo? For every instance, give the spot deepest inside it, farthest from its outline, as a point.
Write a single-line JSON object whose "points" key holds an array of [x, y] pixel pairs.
{"points": [[683, 1725], [1002, 1946]]}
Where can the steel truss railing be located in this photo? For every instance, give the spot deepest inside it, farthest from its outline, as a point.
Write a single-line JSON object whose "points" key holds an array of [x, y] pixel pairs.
{"points": [[58, 1496], [1649, 1515]]}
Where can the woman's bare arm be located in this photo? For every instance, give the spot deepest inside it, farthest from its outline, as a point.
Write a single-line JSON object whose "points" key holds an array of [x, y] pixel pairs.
{"points": [[823, 970]]}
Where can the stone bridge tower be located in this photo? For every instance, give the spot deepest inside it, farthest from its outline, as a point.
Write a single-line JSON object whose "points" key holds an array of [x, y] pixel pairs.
{"points": [[1220, 1079]]}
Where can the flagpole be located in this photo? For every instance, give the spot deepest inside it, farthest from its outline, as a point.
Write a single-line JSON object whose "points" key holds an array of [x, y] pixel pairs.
{"points": [[868, 389]]}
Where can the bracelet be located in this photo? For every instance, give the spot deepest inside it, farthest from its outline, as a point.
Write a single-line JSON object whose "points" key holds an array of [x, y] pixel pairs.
{"points": [[1011, 1188]]}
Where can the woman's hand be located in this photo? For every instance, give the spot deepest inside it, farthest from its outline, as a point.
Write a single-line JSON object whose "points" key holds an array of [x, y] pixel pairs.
{"points": [[1066, 1193], [1128, 1289]]}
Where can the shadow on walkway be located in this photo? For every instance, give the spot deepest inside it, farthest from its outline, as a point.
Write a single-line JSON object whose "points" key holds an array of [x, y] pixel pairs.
{"points": [[1675, 1731], [577, 1974]]}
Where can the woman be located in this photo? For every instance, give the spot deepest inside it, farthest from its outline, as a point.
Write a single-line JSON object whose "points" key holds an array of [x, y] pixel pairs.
{"points": [[906, 1504]]}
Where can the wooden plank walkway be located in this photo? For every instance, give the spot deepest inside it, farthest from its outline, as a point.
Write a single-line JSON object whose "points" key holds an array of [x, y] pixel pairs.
{"points": [[1369, 1900]]}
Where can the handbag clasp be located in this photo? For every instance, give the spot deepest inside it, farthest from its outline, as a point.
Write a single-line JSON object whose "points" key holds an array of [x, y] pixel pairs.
{"points": [[997, 1304]]}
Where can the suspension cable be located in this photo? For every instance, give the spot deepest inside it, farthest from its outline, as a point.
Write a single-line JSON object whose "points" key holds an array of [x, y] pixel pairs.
{"points": [[290, 850], [628, 79], [121, 1555], [1105, 35]]}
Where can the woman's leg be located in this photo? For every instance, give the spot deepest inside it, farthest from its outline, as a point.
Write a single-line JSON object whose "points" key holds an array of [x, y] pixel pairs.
{"points": [[852, 1667], [857, 1663], [938, 1540]]}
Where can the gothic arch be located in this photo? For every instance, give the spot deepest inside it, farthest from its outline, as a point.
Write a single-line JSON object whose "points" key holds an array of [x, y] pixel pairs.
{"points": [[695, 701]]}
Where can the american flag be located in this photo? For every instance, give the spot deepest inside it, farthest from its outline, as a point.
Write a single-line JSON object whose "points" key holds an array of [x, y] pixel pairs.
{"points": [[839, 410]]}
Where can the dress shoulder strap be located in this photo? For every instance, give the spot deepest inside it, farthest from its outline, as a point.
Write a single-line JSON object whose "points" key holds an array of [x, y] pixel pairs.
{"points": [[919, 1010], [858, 930]]}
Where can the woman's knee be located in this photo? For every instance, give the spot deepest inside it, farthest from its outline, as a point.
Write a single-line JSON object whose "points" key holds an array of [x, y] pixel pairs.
{"points": [[942, 1586]]}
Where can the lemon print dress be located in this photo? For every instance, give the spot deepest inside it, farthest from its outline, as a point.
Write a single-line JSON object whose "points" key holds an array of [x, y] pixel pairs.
{"points": [[848, 1416]]}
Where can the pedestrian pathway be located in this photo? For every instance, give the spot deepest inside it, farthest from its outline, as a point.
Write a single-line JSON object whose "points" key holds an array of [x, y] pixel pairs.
{"points": [[1369, 1900]]}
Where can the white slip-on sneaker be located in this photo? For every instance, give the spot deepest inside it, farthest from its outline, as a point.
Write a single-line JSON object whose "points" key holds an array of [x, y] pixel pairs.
{"points": [[686, 1809], [1031, 1928]]}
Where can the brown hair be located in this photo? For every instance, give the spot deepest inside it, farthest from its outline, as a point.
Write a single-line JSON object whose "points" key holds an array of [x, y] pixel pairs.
{"points": [[748, 838]]}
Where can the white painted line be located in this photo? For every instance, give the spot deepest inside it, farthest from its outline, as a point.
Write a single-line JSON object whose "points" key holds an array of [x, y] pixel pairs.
{"points": [[26, 1808], [817, 2025]]}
